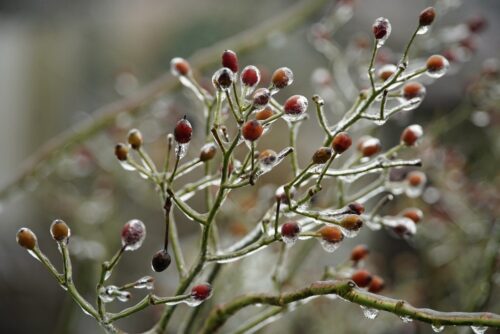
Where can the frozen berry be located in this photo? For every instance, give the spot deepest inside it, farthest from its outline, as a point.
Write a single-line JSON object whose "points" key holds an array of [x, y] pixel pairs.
{"points": [[250, 76], [477, 23], [252, 130], [180, 67], [161, 260], [362, 278], [290, 230], [351, 222], [135, 139], [331, 234], [223, 78], [201, 291], [359, 252], [322, 155], [280, 194], [386, 71], [121, 151], [207, 152], [183, 131], [370, 146], [416, 178], [341, 142], [59, 230], [26, 238], [376, 285], [381, 28], [230, 60], [413, 90], [264, 113], [133, 234], [436, 64], [356, 208], [427, 16], [411, 134], [414, 214], [295, 105], [261, 97], [282, 77], [268, 157]]}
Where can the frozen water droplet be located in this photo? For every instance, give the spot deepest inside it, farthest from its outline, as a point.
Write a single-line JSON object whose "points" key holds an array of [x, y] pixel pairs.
{"points": [[437, 328], [406, 319], [332, 296], [193, 302], [440, 72], [395, 187], [351, 178], [411, 104], [125, 165], [370, 313], [380, 121], [290, 240], [293, 117], [107, 275], [181, 149], [328, 246], [479, 329], [401, 226], [123, 296], [422, 30], [107, 294], [372, 225], [30, 252], [383, 22], [146, 282], [349, 233]]}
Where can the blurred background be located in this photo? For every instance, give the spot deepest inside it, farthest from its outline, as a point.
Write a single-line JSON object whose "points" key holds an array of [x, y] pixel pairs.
{"points": [[60, 60]]}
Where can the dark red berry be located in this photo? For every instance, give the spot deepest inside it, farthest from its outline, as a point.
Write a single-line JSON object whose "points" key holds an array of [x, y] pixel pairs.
{"points": [[180, 67], [412, 90], [183, 131], [133, 234], [290, 229], [356, 208], [362, 278], [282, 77], [230, 60], [201, 291], [381, 28], [208, 152], [26, 238], [295, 105], [261, 97], [250, 76], [351, 222], [427, 16], [331, 234], [359, 252], [59, 230], [370, 146], [322, 155], [411, 134], [121, 152], [341, 142], [252, 130], [161, 260], [376, 285], [135, 139]]}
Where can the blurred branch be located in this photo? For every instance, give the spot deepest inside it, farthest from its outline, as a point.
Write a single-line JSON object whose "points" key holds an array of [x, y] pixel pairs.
{"points": [[106, 115], [349, 291]]}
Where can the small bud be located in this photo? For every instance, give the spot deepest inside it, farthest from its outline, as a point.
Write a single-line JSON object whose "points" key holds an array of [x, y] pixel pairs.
{"points": [[161, 260], [133, 234], [341, 142], [59, 230], [26, 238], [290, 230], [252, 130], [376, 285], [135, 139], [381, 28], [412, 134], [356, 208], [121, 151], [427, 16], [261, 97], [416, 178], [413, 90], [250, 76], [201, 291], [370, 146], [230, 60], [322, 155], [331, 234], [414, 214], [359, 252], [223, 78], [362, 278], [208, 152], [180, 67], [296, 105], [183, 131], [264, 113], [282, 77], [351, 222]]}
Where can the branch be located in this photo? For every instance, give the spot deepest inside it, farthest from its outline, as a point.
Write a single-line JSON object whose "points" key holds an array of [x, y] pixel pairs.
{"points": [[349, 291]]}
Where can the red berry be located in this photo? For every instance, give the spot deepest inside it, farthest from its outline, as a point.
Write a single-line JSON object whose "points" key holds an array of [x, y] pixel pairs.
{"points": [[376, 285], [250, 76], [386, 71], [295, 105], [381, 28], [331, 234], [356, 208], [427, 16], [370, 146], [436, 63], [411, 134], [362, 278], [351, 222], [208, 152], [26, 238], [261, 97], [264, 113], [282, 77], [290, 230], [201, 291], [414, 214], [133, 234], [322, 155], [359, 252], [161, 260], [135, 139], [230, 60], [252, 130], [121, 151], [416, 178], [183, 131], [341, 142], [180, 67], [412, 90], [59, 230]]}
